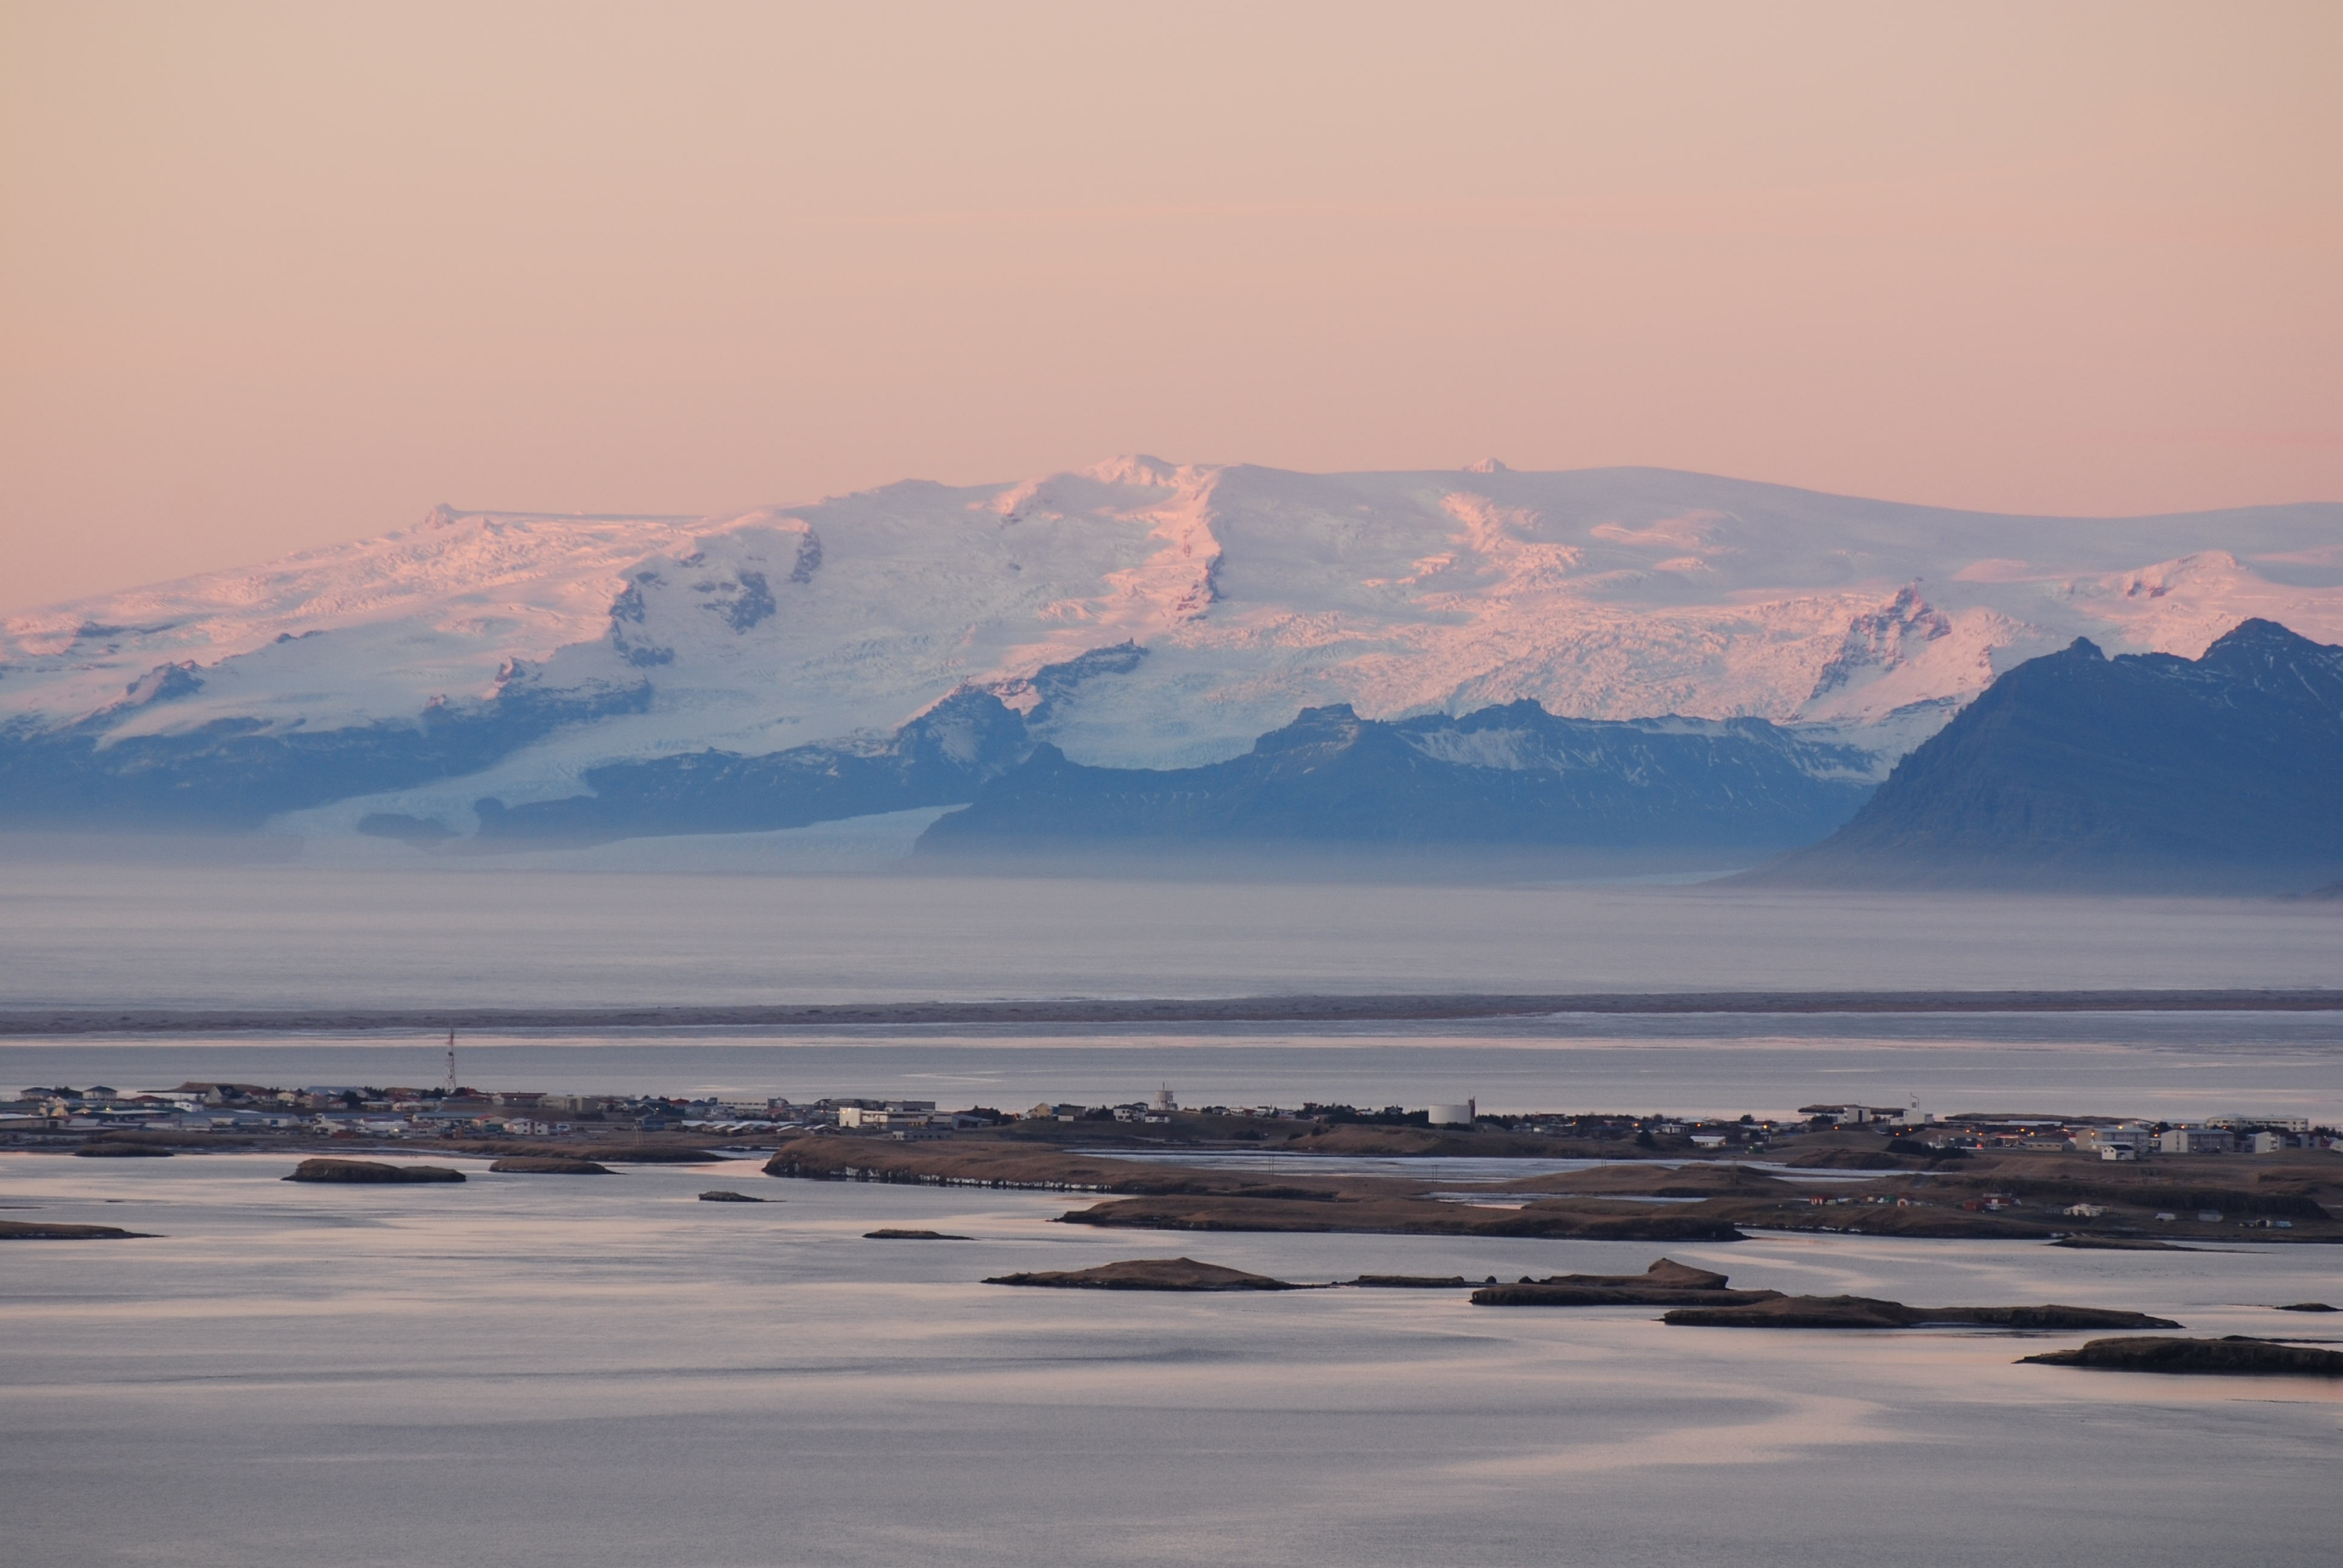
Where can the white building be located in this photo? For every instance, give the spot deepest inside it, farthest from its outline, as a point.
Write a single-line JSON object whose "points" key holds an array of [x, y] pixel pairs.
{"points": [[2131, 1135], [888, 1120]]}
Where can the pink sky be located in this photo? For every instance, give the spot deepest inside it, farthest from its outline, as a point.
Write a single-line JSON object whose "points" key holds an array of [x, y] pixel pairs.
{"points": [[277, 275]]}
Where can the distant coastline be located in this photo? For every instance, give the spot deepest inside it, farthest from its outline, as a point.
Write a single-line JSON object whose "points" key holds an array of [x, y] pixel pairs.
{"points": [[1307, 1008]]}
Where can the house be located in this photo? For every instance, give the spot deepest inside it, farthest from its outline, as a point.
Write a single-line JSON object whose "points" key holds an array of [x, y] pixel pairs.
{"points": [[2195, 1139], [2132, 1136], [882, 1119], [1856, 1115]]}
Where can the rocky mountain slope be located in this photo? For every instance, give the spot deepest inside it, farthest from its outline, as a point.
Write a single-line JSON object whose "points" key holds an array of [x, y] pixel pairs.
{"points": [[909, 643], [2143, 771], [1514, 775]]}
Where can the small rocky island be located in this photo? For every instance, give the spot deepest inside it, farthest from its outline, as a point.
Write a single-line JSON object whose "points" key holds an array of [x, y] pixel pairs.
{"points": [[372, 1171], [1703, 1298], [725, 1195], [1776, 1311], [549, 1165], [1150, 1274], [889, 1234], [2234, 1353], [45, 1230], [2122, 1244], [1666, 1283]]}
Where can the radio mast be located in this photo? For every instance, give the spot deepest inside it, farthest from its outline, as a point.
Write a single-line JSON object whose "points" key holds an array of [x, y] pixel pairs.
{"points": [[451, 1061]]}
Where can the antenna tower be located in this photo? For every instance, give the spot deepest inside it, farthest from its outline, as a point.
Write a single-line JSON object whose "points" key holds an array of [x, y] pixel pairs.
{"points": [[451, 1061]]}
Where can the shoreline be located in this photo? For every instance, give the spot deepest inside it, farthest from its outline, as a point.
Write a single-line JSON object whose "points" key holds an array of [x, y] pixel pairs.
{"points": [[30, 1023]]}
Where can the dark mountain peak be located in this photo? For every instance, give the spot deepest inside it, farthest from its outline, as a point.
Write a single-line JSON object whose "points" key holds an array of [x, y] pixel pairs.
{"points": [[2278, 665], [2222, 773], [2258, 644], [1523, 711], [2082, 648], [1335, 725], [1513, 775], [2254, 632]]}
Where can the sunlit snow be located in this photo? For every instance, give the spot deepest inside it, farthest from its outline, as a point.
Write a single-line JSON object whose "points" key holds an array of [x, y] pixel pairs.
{"points": [[1254, 592]]}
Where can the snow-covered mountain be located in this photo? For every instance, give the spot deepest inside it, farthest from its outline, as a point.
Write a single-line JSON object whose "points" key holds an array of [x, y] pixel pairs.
{"points": [[1134, 614]]}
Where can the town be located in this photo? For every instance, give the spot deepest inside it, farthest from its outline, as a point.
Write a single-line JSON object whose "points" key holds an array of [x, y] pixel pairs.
{"points": [[192, 1112]]}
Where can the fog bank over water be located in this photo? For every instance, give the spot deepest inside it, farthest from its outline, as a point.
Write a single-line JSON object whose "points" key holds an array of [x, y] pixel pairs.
{"points": [[88, 933]]}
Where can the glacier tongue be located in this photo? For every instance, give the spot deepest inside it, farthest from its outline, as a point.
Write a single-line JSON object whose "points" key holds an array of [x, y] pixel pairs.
{"points": [[1141, 613]]}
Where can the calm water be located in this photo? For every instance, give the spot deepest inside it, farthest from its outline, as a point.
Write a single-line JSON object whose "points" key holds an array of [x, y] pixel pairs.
{"points": [[579, 1372], [79, 935]]}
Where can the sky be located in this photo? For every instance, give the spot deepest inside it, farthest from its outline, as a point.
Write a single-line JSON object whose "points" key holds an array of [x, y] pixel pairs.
{"points": [[274, 276]]}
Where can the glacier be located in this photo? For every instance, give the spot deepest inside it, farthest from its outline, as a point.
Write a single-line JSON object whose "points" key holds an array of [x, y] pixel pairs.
{"points": [[490, 669]]}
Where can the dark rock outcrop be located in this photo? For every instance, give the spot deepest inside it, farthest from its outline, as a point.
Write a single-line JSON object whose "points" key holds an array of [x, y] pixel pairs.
{"points": [[2142, 772], [1664, 1274], [547, 1165], [2306, 1307], [887, 1233], [2234, 1353], [369, 1171], [103, 1149], [1666, 1283], [1872, 1312], [43, 1231], [1150, 1274], [727, 1197]]}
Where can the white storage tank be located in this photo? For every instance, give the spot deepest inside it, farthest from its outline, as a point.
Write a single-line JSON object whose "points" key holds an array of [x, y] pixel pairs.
{"points": [[1454, 1115]]}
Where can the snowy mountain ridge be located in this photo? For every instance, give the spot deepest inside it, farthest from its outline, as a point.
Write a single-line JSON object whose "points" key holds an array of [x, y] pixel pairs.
{"points": [[1141, 614]]}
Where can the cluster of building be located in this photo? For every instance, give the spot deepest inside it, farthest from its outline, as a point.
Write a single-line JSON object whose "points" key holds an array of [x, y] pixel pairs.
{"points": [[365, 1111], [2221, 1135], [373, 1111], [404, 1112], [2107, 1137]]}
